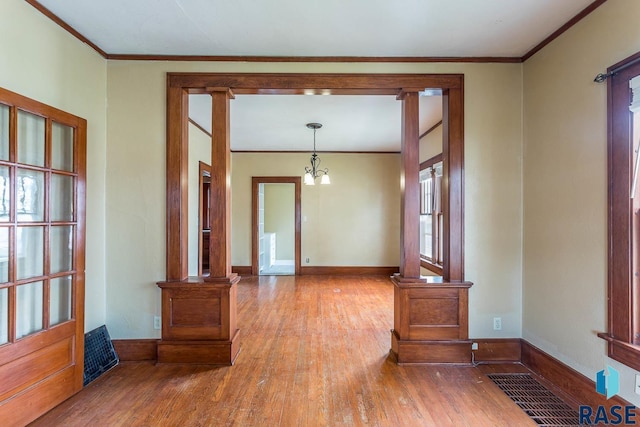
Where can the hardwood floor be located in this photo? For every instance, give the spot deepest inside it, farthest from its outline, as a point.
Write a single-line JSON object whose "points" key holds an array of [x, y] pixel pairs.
{"points": [[315, 352]]}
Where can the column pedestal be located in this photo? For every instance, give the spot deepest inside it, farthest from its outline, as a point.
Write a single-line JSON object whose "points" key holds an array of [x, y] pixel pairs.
{"points": [[430, 321], [199, 321]]}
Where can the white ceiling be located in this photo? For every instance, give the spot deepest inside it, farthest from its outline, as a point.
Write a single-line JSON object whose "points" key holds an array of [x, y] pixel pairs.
{"points": [[389, 28], [317, 28], [349, 123]]}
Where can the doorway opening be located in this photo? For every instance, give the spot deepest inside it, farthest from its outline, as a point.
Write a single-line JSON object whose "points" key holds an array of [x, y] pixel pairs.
{"points": [[276, 225]]}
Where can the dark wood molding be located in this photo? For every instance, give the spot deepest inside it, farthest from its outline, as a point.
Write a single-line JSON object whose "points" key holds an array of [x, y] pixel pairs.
{"points": [[430, 162], [242, 270], [405, 87], [299, 83], [453, 183], [410, 191], [255, 182], [570, 381], [136, 350], [46, 12], [497, 350], [431, 129], [204, 170], [348, 270], [623, 322], [193, 122], [557, 33], [257, 58]]}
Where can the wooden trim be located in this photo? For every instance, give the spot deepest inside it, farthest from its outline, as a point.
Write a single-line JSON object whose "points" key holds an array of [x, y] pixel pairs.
{"points": [[177, 173], [430, 162], [410, 190], [557, 33], [257, 58], [220, 189], [424, 352], [136, 350], [431, 129], [498, 350], [621, 351], [348, 271], [453, 183], [255, 182], [299, 83], [622, 283], [242, 270], [570, 381], [46, 12], [435, 268], [206, 132], [203, 170]]}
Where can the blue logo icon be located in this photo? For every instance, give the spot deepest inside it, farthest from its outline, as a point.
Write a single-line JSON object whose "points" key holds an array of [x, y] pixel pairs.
{"points": [[608, 384]]}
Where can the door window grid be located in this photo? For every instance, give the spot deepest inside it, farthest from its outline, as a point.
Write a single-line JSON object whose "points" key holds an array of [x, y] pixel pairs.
{"points": [[37, 223]]}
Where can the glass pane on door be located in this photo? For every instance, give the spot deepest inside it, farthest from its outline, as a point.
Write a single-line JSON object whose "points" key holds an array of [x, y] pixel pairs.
{"points": [[62, 147], [5, 193], [28, 309], [61, 253], [30, 139], [4, 132], [4, 254], [60, 300], [30, 252], [4, 316], [30, 195], [61, 200]]}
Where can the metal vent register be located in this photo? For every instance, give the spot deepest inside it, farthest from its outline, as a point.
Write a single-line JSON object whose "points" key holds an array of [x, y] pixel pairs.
{"points": [[544, 407], [99, 354]]}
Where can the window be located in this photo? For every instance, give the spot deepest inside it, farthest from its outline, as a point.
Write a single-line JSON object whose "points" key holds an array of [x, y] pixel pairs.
{"points": [[431, 220], [623, 333]]}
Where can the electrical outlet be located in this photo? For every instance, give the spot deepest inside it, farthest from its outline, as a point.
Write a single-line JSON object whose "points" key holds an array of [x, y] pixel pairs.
{"points": [[637, 389], [157, 324], [497, 323], [474, 346], [306, 260]]}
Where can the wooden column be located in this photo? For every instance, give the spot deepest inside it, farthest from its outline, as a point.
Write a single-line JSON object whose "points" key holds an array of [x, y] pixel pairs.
{"points": [[177, 184], [199, 323], [430, 314], [410, 187], [220, 212]]}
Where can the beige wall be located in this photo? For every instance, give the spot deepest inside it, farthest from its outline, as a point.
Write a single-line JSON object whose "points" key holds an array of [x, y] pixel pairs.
{"points": [[431, 144], [565, 185], [279, 217], [42, 61], [199, 151], [350, 222], [493, 226]]}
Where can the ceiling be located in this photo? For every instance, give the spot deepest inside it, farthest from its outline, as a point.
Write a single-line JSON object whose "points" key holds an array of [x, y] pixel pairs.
{"points": [[333, 28], [350, 123], [425, 28]]}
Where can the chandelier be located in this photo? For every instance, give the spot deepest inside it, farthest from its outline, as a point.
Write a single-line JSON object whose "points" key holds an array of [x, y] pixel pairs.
{"points": [[313, 172]]}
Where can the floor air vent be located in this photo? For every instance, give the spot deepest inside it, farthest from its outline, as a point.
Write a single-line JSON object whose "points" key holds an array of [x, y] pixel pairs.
{"points": [[99, 354], [544, 407]]}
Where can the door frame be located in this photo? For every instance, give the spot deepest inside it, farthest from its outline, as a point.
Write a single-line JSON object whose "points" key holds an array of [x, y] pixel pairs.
{"points": [[255, 183], [204, 169]]}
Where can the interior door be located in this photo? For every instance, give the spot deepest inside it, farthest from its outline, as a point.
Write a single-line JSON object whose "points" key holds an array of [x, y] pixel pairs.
{"points": [[42, 217]]}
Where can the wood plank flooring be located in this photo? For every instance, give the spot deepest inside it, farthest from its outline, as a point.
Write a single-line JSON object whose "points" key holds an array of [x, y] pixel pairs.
{"points": [[315, 352]]}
